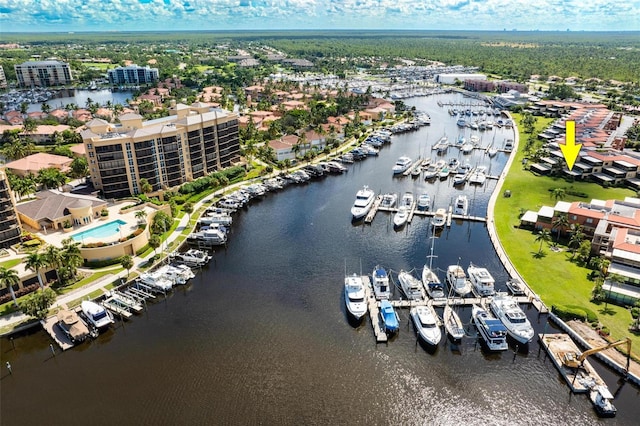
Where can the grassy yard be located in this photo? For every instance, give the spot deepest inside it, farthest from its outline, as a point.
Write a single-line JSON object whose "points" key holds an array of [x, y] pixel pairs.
{"points": [[553, 276]]}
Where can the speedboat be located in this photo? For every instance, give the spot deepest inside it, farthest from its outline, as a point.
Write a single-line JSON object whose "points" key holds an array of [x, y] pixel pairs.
{"points": [[515, 287], [439, 218], [444, 172], [457, 280], [481, 280], [442, 145], [389, 317], [72, 326], [407, 200], [454, 163], [461, 122], [97, 315], [508, 145], [506, 309], [192, 257], [452, 323], [492, 151], [364, 200], [410, 285], [354, 296], [461, 206], [478, 176], [601, 399], [402, 164], [380, 278], [401, 217], [493, 332], [213, 236], [156, 281], [389, 200], [466, 148], [460, 178], [426, 324], [424, 202], [432, 283], [431, 172]]}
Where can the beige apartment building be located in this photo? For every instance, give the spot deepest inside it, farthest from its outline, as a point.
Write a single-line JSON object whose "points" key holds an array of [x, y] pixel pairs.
{"points": [[43, 73], [192, 142]]}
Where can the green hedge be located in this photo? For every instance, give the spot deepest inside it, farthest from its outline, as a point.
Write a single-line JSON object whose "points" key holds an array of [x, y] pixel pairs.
{"points": [[571, 312], [103, 263]]}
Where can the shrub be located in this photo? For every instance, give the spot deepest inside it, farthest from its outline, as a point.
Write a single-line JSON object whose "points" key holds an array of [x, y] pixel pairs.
{"points": [[20, 292], [102, 262], [32, 243], [67, 224], [104, 213], [635, 313], [571, 312]]}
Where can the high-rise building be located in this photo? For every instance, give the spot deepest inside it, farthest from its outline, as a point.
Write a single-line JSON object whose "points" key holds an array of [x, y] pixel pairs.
{"points": [[192, 142], [9, 223], [43, 73], [3, 79], [133, 74]]}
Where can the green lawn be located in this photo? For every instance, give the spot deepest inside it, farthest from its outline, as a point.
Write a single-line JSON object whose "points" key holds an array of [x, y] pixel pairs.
{"points": [[11, 263], [556, 279]]}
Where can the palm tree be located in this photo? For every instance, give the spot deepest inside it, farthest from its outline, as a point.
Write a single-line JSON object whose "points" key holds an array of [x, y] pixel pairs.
{"points": [[543, 236], [188, 208], [141, 215], [9, 278], [127, 263], [35, 262], [72, 255], [560, 222], [145, 186], [155, 242], [558, 193], [54, 258]]}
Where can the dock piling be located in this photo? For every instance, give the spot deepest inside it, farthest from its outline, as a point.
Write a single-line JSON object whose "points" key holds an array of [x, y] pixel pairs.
{"points": [[53, 351]]}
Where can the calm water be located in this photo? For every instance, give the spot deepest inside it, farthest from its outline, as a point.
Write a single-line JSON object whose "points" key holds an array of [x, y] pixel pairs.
{"points": [[79, 97], [261, 335]]}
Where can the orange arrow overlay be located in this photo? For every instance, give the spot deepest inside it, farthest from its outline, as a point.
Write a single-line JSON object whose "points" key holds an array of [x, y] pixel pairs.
{"points": [[570, 149]]}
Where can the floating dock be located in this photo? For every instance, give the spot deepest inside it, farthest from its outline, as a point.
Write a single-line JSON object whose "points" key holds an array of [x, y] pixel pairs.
{"points": [[580, 380], [374, 311], [374, 209], [51, 327], [427, 213]]}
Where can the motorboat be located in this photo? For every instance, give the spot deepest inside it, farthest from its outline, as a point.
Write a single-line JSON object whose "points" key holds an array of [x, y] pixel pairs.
{"points": [[213, 237], [407, 200], [211, 219], [335, 167], [369, 149], [402, 165], [416, 171], [380, 278], [478, 176], [389, 317], [400, 217], [444, 172], [461, 122], [191, 257], [364, 200], [461, 205], [173, 274], [506, 309], [452, 323], [156, 281], [354, 296], [493, 332], [432, 283], [424, 202], [72, 325], [389, 200], [466, 148], [457, 280], [440, 218], [492, 151], [515, 287], [426, 323], [508, 145], [454, 163], [442, 145], [431, 172], [601, 398], [96, 315], [411, 286], [460, 178], [481, 280]]}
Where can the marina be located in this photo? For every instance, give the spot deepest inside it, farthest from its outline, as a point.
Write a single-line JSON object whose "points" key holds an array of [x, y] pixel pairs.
{"points": [[265, 321]]}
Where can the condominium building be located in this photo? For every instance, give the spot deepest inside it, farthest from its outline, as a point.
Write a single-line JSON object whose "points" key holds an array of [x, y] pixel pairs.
{"points": [[192, 142], [9, 223], [133, 74], [43, 73], [3, 78]]}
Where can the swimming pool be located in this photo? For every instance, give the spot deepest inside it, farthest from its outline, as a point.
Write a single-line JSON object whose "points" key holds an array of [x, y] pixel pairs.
{"points": [[103, 231]]}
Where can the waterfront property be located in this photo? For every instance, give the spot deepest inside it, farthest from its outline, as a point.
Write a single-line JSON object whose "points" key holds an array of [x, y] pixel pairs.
{"points": [[43, 73]]}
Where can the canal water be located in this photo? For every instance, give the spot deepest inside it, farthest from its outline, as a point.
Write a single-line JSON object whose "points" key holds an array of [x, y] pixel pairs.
{"points": [[261, 335], [79, 97]]}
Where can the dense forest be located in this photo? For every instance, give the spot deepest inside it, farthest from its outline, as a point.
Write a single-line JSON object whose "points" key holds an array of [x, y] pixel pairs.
{"points": [[509, 54]]}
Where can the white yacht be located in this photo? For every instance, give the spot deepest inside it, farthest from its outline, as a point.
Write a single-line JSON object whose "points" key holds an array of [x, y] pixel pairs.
{"points": [[461, 206], [402, 165], [364, 200], [452, 323], [457, 280], [432, 283], [460, 178], [214, 236], [491, 329], [439, 218], [192, 257], [466, 148], [426, 323], [506, 309], [389, 200], [156, 281], [97, 315], [411, 286], [481, 280], [431, 171], [400, 217], [380, 279], [407, 200], [424, 202], [478, 176], [354, 296]]}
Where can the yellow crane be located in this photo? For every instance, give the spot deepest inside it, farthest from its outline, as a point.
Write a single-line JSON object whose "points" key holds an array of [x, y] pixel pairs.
{"points": [[575, 360]]}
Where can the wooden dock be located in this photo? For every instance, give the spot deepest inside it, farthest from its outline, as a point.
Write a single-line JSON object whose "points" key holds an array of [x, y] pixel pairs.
{"points": [[449, 214], [426, 213], [413, 166], [51, 327], [412, 211], [374, 210], [580, 380], [374, 312]]}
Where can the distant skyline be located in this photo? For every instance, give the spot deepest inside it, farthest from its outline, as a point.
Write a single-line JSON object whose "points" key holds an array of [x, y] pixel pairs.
{"points": [[172, 15]]}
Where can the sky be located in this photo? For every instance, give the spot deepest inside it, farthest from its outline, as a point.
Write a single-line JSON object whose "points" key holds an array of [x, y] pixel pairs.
{"points": [[167, 15]]}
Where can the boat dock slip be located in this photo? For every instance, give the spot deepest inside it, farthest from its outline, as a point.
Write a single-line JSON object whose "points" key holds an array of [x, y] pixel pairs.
{"points": [[374, 209], [51, 327], [374, 311], [412, 167], [117, 307], [412, 211], [416, 212], [449, 215], [580, 380]]}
